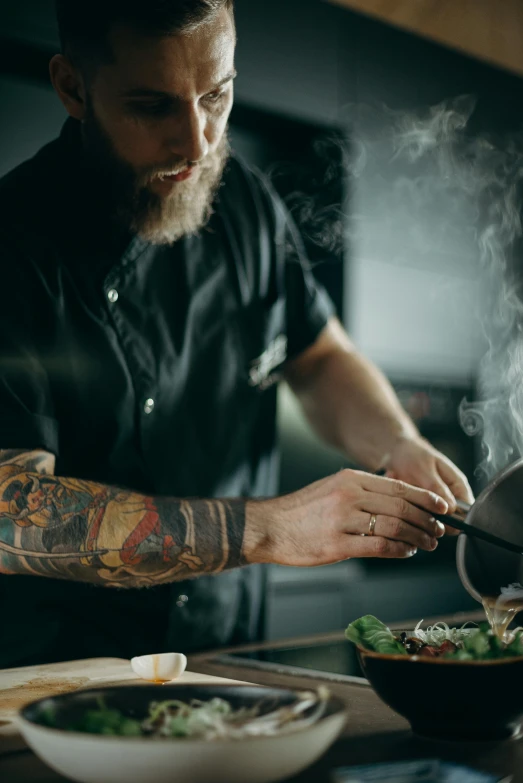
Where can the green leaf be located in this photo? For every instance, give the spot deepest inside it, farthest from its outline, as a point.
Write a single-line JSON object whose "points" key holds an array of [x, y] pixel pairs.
{"points": [[478, 645], [371, 633], [130, 728], [460, 655], [101, 721]]}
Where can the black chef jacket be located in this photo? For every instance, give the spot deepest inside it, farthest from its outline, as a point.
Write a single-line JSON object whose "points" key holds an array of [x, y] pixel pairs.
{"points": [[147, 367]]}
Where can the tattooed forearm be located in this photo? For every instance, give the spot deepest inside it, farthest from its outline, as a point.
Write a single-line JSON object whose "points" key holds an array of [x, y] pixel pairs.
{"points": [[35, 461], [81, 530]]}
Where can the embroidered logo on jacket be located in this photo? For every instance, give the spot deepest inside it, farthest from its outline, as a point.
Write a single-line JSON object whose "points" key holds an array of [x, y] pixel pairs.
{"points": [[261, 373]]}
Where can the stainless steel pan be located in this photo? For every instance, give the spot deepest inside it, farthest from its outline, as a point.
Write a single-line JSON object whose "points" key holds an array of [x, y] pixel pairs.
{"points": [[484, 568]]}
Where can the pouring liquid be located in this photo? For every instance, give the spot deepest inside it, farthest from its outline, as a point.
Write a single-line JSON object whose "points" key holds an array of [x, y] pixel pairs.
{"points": [[500, 614]]}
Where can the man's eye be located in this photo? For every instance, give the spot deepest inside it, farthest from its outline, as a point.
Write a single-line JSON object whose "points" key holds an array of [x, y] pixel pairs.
{"points": [[214, 97]]}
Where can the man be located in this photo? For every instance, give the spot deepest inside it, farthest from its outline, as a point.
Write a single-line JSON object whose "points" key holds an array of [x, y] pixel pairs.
{"points": [[154, 288]]}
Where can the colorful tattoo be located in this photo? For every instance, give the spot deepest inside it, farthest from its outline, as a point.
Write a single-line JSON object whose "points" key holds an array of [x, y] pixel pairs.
{"points": [[84, 531]]}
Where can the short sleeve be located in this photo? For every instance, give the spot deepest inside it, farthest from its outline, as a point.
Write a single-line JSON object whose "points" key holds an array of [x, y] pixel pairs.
{"points": [[27, 418]]}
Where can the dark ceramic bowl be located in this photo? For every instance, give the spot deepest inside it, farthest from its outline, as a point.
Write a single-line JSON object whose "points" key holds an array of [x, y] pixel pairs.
{"points": [[451, 700]]}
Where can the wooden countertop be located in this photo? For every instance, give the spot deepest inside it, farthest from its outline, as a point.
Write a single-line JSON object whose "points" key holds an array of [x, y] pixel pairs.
{"points": [[373, 732]]}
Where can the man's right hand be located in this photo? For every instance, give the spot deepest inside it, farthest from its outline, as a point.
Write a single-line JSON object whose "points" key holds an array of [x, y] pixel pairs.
{"points": [[329, 521]]}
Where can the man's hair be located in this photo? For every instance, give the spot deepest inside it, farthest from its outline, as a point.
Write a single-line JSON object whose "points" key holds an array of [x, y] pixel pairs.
{"points": [[84, 25]]}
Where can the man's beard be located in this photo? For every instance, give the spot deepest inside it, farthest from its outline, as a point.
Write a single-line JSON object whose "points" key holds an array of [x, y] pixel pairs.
{"points": [[134, 206]]}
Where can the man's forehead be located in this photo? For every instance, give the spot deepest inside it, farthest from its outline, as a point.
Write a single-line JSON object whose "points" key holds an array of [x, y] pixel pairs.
{"points": [[178, 63]]}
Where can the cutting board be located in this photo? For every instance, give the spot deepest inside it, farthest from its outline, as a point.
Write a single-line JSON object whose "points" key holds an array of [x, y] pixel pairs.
{"points": [[20, 686]]}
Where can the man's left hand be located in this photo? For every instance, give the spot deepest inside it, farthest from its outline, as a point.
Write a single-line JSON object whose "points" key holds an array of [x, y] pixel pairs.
{"points": [[416, 462]]}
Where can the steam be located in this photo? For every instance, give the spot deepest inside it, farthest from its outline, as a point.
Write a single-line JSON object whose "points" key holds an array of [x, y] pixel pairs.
{"points": [[514, 592], [427, 196], [473, 186], [314, 199], [490, 177]]}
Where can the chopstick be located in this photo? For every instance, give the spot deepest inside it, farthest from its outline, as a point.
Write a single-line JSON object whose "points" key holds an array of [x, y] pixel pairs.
{"points": [[476, 532]]}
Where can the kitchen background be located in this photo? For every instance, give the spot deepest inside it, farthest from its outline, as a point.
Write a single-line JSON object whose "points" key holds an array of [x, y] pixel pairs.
{"points": [[306, 68]]}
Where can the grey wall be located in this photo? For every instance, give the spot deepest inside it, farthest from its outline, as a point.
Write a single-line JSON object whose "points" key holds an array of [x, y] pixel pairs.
{"points": [[29, 20], [34, 116]]}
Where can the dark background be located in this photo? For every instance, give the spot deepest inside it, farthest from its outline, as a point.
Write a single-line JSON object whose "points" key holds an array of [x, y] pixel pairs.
{"points": [[305, 69]]}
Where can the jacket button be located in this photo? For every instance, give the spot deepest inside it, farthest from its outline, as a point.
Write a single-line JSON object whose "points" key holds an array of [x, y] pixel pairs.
{"points": [[148, 406], [112, 295]]}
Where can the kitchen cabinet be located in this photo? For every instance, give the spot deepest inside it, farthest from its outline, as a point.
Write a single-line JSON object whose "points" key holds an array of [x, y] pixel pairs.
{"points": [[485, 29]]}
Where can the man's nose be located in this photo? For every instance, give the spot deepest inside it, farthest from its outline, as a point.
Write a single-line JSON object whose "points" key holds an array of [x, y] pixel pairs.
{"points": [[188, 139]]}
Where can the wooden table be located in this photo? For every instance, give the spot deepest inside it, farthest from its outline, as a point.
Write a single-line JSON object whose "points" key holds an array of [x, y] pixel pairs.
{"points": [[373, 732]]}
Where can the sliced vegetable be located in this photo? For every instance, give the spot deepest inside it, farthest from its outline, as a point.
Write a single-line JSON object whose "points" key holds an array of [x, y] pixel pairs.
{"points": [[448, 647], [476, 643], [106, 721], [428, 651], [211, 720], [440, 632]]}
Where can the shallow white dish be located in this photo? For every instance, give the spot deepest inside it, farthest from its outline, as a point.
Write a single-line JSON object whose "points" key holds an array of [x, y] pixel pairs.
{"points": [[93, 758]]}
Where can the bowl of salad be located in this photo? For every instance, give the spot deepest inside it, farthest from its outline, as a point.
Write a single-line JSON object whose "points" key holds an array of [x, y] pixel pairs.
{"points": [[449, 683], [182, 733]]}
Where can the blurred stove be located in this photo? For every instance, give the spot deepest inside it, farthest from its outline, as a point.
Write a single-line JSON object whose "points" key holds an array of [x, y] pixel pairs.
{"points": [[334, 660]]}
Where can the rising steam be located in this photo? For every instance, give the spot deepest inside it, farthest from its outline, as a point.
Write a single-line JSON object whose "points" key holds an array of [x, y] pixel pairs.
{"points": [[475, 184]]}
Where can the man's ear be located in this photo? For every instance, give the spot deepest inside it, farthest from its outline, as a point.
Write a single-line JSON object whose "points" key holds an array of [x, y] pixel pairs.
{"points": [[69, 85]]}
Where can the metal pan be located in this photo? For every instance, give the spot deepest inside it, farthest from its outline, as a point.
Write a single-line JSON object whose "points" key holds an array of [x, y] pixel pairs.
{"points": [[459, 523], [485, 568]]}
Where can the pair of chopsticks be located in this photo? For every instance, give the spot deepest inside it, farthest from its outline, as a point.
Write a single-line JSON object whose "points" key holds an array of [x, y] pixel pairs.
{"points": [[476, 532]]}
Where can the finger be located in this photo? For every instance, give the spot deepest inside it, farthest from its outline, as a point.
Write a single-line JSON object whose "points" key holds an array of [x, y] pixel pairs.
{"points": [[398, 530], [401, 509], [375, 546], [392, 487], [440, 487], [455, 480], [451, 531], [431, 481]]}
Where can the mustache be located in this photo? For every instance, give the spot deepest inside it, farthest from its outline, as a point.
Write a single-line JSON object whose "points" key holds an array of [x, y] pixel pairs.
{"points": [[166, 169], [169, 169]]}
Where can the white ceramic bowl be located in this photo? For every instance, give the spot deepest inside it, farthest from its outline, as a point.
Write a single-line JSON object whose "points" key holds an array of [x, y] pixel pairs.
{"points": [[93, 758]]}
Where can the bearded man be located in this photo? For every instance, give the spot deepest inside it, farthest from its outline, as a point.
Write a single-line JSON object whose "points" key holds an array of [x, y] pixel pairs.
{"points": [[154, 290]]}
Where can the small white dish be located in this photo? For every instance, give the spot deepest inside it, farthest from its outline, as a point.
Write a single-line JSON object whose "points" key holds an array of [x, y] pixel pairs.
{"points": [[162, 667]]}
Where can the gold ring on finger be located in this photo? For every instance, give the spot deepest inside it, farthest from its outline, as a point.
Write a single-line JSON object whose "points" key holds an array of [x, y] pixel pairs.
{"points": [[372, 525]]}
